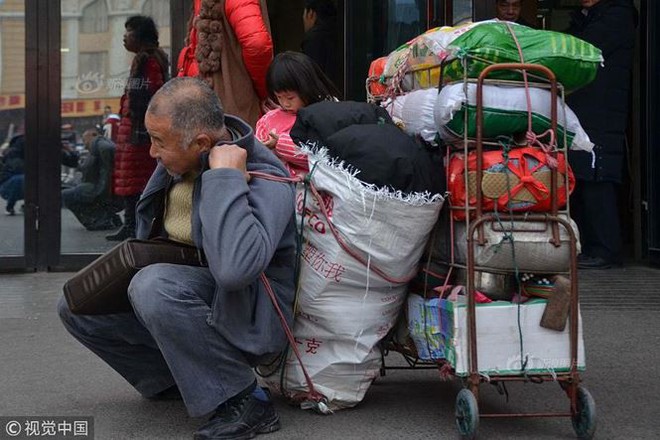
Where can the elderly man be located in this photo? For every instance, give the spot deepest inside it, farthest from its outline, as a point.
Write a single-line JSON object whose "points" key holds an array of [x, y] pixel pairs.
{"points": [[197, 330]]}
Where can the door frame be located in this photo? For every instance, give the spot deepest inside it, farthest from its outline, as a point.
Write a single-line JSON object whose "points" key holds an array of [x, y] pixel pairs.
{"points": [[42, 218]]}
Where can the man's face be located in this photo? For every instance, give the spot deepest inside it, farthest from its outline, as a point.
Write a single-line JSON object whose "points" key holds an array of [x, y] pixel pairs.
{"points": [[166, 146], [589, 3], [509, 10]]}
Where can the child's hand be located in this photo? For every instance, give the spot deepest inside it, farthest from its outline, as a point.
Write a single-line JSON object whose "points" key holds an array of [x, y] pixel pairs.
{"points": [[271, 142]]}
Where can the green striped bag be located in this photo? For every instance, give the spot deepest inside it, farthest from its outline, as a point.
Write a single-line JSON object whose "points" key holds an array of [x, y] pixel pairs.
{"points": [[573, 61]]}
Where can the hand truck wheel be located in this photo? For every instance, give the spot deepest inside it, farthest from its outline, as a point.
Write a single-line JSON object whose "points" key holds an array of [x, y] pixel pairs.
{"points": [[584, 419], [467, 414]]}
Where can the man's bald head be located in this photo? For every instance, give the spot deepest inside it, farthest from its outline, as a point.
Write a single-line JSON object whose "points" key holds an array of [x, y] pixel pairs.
{"points": [[191, 106]]}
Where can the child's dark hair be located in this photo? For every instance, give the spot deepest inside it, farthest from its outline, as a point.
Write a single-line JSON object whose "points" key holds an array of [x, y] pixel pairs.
{"points": [[296, 72]]}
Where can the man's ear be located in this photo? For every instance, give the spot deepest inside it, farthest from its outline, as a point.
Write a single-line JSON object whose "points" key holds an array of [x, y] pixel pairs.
{"points": [[203, 142]]}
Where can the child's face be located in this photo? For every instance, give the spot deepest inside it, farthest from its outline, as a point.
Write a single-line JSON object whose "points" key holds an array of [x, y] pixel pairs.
{"points": [[289, 101]]}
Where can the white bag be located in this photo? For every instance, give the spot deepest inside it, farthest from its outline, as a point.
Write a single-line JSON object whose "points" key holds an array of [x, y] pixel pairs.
{"points": [[505, 113], [415, 111], [344, 307]]}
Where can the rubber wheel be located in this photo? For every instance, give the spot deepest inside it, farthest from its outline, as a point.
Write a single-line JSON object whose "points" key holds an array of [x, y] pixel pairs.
{"points": [[584, 420], [467, 414]]}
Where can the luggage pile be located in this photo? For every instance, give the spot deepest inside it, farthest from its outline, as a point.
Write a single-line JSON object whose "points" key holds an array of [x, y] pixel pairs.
{"points": [[373, 207], [430, 88]]}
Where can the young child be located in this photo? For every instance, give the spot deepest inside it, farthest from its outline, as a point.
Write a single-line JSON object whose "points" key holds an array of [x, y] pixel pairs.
{"points": [[293, 81]]}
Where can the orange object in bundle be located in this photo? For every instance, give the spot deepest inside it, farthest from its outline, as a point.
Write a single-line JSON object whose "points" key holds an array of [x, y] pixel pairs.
{"points": [[522, 184], [376, 69]]}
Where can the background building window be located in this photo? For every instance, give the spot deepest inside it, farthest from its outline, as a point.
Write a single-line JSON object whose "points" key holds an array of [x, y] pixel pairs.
{"points": [[94, 18], [159, 10], [92, 62]]}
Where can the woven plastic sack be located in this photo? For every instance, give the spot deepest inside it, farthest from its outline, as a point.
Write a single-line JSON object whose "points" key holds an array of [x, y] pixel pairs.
{"points": [[376, 81], [505, 113], [345, 307], [423, 55], [414, 111], [520, 183], [573, 61]]}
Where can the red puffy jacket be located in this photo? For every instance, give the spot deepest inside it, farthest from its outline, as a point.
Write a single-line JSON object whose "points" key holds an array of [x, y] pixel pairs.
{"points": [[247, 20], [133, 164]]}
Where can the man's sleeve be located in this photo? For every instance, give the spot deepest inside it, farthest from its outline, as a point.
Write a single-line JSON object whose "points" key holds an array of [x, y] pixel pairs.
{"points": [[247, 21], [242, 225]]}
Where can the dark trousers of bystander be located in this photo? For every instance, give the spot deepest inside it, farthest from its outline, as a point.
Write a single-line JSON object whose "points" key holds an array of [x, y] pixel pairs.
{"points": [[594, 207]]}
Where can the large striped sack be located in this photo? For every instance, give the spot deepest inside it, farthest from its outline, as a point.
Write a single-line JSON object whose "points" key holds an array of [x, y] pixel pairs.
{"points": [[505, 112], [573, 61]]}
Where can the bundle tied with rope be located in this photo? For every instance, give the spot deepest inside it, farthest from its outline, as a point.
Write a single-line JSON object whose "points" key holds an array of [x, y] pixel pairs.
{"points": [[360, 245]]}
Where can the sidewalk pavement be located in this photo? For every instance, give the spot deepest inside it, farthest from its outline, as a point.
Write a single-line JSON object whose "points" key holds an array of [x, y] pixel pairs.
{"points": [[47, 373]]}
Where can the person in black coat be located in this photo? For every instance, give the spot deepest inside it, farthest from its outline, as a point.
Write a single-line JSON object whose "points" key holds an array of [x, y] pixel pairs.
{"points": [[12, 177], [602, 108], [321, 39], [91, 200]]}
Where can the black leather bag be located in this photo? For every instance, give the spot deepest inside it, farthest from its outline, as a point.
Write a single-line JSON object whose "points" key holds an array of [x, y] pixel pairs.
{"points": [[101, 287]]}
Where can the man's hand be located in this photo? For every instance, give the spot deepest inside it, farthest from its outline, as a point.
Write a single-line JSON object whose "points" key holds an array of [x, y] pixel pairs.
{"points": [[229, 156]]}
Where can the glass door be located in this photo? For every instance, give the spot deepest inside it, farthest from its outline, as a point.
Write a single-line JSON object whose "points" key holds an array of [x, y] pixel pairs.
{"points": [[94, 75], [374, 28], [12, 132]]}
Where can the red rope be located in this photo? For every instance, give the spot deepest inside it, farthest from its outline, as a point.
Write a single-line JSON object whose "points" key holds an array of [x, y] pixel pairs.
{"points": [[311, 394], [352, 252], [532, 138]]}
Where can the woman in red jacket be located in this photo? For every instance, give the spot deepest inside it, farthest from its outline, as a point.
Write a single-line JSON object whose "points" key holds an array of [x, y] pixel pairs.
{"points": [[133, 165], [229, 45]]}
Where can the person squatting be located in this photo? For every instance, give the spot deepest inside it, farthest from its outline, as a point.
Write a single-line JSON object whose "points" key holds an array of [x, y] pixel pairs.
{"points": [[199, 331]]}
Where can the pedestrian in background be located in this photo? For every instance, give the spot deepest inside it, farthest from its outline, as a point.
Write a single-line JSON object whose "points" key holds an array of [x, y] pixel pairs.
{"points": [[12, 173], [133, 165], [230, 47], [510, 10], [602, 108], [321, 39], [90, 200]]}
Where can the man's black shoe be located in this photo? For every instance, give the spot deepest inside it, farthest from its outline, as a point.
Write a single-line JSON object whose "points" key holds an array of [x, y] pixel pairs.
{"points": [[586, 262], [241, 417]]}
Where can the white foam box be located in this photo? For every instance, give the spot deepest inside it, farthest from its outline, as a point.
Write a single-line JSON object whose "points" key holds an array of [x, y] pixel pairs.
{"points": [[499, 336]]}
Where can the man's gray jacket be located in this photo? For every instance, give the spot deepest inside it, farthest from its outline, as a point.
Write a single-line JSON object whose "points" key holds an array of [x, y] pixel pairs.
{"points": [[244, 230]]}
